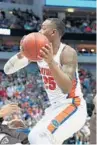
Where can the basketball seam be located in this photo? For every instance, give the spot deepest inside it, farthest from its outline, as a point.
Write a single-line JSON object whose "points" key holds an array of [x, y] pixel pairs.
{"points": [[27, 49], [32, 51], [36, 46]]}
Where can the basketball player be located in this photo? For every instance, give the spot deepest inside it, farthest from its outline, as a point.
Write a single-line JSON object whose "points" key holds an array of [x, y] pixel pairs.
{"points": [[58, 67]]}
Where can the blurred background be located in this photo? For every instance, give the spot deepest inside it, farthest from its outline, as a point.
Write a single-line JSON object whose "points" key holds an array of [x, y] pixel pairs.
{"points": [[20, 17]]}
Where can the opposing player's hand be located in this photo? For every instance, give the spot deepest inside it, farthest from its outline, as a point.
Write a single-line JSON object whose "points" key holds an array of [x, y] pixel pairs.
{"points": [[16, 123], [47, 53], [9, 109]]}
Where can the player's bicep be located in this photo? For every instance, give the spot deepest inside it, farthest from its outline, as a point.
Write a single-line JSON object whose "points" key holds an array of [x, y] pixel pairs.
{"points": [[69, 63], [69, 70]]}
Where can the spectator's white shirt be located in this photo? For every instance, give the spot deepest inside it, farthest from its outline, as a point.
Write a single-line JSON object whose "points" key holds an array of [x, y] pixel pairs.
{"points": [[85, 24], [19, 80], [10, 91]]}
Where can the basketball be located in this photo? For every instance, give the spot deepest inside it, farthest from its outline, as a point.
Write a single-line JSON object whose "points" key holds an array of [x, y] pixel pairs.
{"points": [[31, 45]]}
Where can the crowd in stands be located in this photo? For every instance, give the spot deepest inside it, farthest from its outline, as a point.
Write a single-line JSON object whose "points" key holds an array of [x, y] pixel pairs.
{"points": [[17, 19], [80, 26], [8, 48], [27, 90], [76, 25], [88, 83], [86, 52], [18, 1], [16, 48], [8, 1]]}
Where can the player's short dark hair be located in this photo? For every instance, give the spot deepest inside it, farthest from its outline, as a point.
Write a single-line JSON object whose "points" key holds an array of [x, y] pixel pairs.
{"points": [[60, 26]]}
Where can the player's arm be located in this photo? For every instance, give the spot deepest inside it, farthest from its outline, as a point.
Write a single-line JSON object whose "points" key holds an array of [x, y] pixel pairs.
{"points": [[9, 109], [65, 74], [15, 63]]}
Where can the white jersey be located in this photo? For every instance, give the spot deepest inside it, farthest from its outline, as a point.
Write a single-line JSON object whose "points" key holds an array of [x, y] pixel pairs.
{"points": [[55, 94]]}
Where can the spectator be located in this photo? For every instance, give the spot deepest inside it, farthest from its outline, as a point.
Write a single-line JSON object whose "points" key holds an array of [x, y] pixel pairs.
{"points": [[93, 124], [10, 90], [3, 93], [15, 48], [88, 29], [86, 84]]}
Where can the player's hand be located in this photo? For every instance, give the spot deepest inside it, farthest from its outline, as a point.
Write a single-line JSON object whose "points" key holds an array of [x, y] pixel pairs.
{"points": [[9, 109], [20, 55], [16, 123], [47, 53]]}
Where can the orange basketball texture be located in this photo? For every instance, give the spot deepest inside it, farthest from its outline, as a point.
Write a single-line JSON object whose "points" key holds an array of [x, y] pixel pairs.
{"points": [[31, 45]]}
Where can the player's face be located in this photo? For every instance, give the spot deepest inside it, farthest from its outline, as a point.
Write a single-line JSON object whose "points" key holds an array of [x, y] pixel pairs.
{"points": [[48, 30]]}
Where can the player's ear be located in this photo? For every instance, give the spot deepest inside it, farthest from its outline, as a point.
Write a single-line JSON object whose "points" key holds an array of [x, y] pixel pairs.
{"points": [[54, 32]]}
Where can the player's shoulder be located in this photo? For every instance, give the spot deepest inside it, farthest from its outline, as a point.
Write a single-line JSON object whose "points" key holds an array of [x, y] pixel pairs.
{"points": [[68, 55], [69, 51]]}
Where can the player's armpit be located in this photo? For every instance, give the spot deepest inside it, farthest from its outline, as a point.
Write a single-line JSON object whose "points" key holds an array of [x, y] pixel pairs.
{"points": [[69, 62]]}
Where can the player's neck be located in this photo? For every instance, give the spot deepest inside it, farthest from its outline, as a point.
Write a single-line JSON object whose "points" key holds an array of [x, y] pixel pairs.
{"points": [[56, 45]]}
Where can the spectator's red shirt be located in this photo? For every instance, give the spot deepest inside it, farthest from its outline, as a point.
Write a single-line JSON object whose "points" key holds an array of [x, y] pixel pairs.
{"points": [[26, 104], [83, 72], [3, 93], [88, 29], [82, 79], [30, 86]]}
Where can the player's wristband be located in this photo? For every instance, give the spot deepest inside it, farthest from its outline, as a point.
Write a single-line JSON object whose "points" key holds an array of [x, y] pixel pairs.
{"points": [[14, 64]]}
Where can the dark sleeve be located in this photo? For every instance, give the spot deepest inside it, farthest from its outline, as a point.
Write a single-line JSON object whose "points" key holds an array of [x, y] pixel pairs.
{"points": [[1, 119]]}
